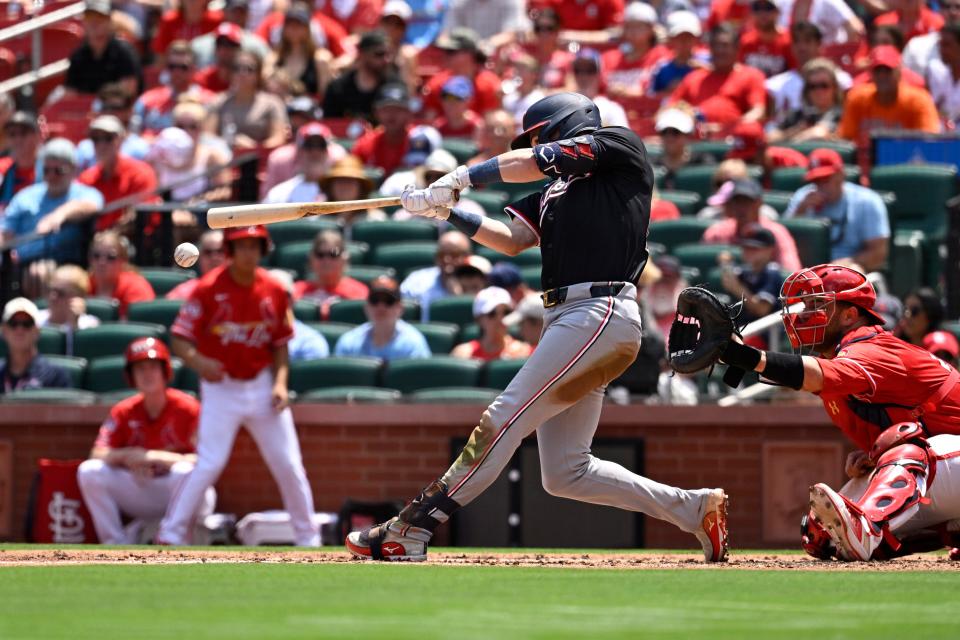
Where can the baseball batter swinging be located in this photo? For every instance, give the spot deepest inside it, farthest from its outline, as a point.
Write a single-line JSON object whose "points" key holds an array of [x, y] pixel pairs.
{"points": [[591, 223]]}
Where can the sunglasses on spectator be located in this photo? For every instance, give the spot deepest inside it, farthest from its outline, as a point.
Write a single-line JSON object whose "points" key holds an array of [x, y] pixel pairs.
{"points": [[102, 138], [109, 257], [314, 145], [21, 324], [379, 53], [333, 253], [244, 68], [815, 86], [382, 298], [187, 126], [178, 66], [55, 171]]}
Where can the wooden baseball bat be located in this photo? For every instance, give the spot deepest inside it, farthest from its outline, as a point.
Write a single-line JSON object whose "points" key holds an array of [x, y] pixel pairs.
{"points": [[251, 214]]}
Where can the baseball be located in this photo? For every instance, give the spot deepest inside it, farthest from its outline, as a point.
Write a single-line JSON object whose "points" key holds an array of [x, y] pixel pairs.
{"points": [[186, 254]]}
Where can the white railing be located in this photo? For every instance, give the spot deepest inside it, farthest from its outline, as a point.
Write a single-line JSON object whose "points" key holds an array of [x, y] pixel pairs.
{"points": [[33, 26]]}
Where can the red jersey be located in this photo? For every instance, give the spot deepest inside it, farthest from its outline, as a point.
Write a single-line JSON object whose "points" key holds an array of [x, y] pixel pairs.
{"points": [[131, 287], [722, 97], [927, 22], [238, 325], [184, 290], [512, 349], [375, 151], [486, 91], [130, 177], [736, 12], [663, 210], [633, 73], [467, 130], [175, 429], [585, 15], [173, 27], [769, 56], [877, 380], [209, 79]]}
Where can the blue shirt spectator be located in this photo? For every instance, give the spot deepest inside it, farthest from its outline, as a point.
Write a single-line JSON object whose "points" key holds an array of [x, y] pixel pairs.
{"points": [[431, 283], [385, 336], [307, 343], [133, 146], [24, 368]]}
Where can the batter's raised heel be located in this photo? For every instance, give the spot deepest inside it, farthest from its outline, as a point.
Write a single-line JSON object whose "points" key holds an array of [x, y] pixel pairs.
{"points": [[713, 527], [393, 541]]}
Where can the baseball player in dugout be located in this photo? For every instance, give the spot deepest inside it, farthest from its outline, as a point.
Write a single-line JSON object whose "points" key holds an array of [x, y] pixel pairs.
{"points": [[144, 450], [898, 403], [590, 222], [234, 331]]}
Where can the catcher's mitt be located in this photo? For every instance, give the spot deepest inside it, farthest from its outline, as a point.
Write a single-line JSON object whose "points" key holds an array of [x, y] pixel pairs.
{"points": [[700, 331]]}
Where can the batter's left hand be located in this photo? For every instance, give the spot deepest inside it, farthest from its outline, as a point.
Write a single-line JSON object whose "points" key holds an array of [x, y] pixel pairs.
{"points": [[456, 180], [281, 397]]}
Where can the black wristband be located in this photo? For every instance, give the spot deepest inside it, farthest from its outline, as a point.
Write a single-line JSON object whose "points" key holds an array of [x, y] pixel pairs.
{"points": [[785, 369], [465, 221], [485, 172], [740, 355]]}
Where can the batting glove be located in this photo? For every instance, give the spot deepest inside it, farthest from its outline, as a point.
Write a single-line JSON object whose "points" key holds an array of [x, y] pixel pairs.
{"points": [[422, 202], [456, 180]]}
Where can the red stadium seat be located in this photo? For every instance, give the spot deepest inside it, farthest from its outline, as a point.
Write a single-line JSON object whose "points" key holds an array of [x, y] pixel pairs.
{"points": [[844, 54], [67, 117]]}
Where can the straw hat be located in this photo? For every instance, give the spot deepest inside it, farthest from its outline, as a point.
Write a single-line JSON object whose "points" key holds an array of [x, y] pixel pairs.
{"points": [[347, 167]]}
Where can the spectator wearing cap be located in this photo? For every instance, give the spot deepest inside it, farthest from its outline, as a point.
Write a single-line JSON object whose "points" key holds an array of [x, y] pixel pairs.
{"points": [[834, 19], [551, 57], [423, 286], [463, 58], [395, 22], [859, 227], [248, 117], [66, 303], [327, 260], [758, 279], [355, 92], [724, 175], [114, 100], [820, 108], [596, 16], [494, 136], [297, 55], [422, 140], [111, 275], [457, 121], [683, 33], [923, 313], [115, 175], [153, 110], [19, 169], [236, 13], [348, 180], [741, 207], [192, 18], [508, 277], [472, 275], [387, 144], [943, 75], [587, 69], [528, 319], [729, 92], [765, 45], [24, 368], [218, 75], [325, 31], [312, 162], [627, 68], [385, 335], [102, 58], [490, 309], [675, 126], [212, 256], [880, 36], [913, 17], [307, 343], [788, 89], [890, 309], [526, 86], [487, 18], [918, 53], [944, 345], [886, 102]]}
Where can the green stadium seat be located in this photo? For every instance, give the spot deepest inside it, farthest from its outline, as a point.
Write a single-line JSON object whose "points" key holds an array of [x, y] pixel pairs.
{"points": [[518, 190], [469, 332], [921, 195], [351, 311], [455, 309], [531, 276], [377, 232], [365, 273], [160, 311], [163, 280], [527, 258], [358, 251], [106, 309], [703, 256], [74, 366], [298, 230], [441, 336], [497, 374], [187, 379], [52, 341], [777, 199], [492, 202], [812, 236], [293, 256], [105, 374], [334, 372], [306, 311], [671, 233], [454, 395], [331, 331], [688, 202], [905, 272], [111, 398], [698, 178], [411, 375], [49, 396], [351, 395], [791, 178], [716, 148], [112, 338], [460, 148], [847, 150], [405, 256]]}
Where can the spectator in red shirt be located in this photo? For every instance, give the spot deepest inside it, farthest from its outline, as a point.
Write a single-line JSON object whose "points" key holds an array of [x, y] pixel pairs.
{"points": [[733, 12], [327, 260], [728, 93], [115, 175], [386, 145], [626, 69], [154, 109], [111, 275], [19, 169], [588, 15], [457, 121], [765, 45], [912, 16], [190, 20], [218, 76], [552, 58], [464, 58]]}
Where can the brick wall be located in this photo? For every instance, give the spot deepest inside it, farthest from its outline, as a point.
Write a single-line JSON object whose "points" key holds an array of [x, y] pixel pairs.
{"points": [[369, 452]]}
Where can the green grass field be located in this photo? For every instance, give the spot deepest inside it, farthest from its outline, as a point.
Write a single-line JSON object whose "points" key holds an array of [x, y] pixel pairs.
{"points": [[346, 600]]}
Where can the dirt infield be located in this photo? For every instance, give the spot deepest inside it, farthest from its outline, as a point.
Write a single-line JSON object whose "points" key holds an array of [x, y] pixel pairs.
{"points": [[749, 561]]}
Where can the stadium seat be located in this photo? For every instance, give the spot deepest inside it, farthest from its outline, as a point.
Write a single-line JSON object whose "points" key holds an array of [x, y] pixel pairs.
{"points": [[111, 398], [454, 395], [306, 311], [187, 380], [112, 338], [497, 374], [921, 195], [455, 309], [74, 366], [331, 331], [906, 262], [469, 332], [791, 178], [812, 236], [377, 232], [297, 230], [365, 273], [492, 202], [777, 199], [518, 190], [699, 178], [460, 148], [351, 395], [703, 256], [293, 256], [716, 148], [671, 233], [163, 280], [159, 311], [531, 276], [52, 341], [688, 202], [527, 258], [847, 150], [359, 251], [49, 396], [351, 311], [441, 336], [424, 373], [106, 309], [405, 257], [334, 372], [105, 374]]}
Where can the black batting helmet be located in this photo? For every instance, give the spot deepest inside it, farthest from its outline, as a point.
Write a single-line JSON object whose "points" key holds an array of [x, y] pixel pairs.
{"points": [[560, 116]]}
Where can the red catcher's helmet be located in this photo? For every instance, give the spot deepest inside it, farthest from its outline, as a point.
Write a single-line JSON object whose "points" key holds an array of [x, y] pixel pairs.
{"points": [[253, 231], [147, 349], [818, 288]]}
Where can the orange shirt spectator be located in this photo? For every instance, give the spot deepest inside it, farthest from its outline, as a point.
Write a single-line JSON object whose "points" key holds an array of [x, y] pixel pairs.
{"points": [[174, 26], [924, 21]]}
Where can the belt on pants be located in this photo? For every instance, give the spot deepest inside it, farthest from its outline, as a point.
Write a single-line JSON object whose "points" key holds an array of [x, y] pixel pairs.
{"points": [[553, 297]]}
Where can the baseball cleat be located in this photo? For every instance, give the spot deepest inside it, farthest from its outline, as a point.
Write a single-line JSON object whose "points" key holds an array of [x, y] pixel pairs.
{"points": [[713, 528], [854, 536], [955, 554], [393, 540]]}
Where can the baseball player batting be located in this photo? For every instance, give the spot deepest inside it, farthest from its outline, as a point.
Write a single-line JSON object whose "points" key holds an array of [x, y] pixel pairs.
{"points": [[898, 403], [591, 225], [234, 331], [144, 451]]}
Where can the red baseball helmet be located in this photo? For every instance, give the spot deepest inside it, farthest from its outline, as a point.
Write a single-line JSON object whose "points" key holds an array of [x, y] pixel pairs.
{"points": [[253, 231], [818, 288], [143, 349]]}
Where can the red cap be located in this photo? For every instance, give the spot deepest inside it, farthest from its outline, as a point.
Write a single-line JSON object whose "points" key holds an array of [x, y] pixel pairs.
{"points": [[885, 56], [229, 31], [747, 138], [823, 163], [312, 130], [941, 341], [142, 349]]}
